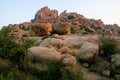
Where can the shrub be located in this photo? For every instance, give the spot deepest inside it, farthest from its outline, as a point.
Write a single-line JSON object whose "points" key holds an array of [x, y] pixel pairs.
{"points": [[72, 30], [12, 55], [57, 71], [4, 66], [88, 30], [118, 32], [108, 46], [70, 17], [22, 75], [11, 49], [17, 75], [12, 60]]}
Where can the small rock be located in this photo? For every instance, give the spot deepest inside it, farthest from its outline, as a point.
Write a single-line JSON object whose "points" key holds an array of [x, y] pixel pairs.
{"points": [[86, 65], [106, 73], [69, 60]]}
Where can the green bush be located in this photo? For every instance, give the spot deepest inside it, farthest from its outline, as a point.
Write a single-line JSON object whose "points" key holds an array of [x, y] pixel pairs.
{"points": [[12, 62], [12, 55], [5, 66], [108, 46], [72, 30], [118, 32], [12, 49], [88, 30], [57, 71], [70, 17], [17, 75]]}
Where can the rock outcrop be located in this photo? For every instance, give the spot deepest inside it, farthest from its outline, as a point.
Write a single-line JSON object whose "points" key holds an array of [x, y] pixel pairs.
{"points": [[46, 13], [72, 39], [67, 23]]}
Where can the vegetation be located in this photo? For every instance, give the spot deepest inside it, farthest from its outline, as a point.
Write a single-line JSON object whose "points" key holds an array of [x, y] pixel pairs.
{"points": [[70, 17], [88, 30], [57, 71], [118, 32], [12, 54], [13, 64], [72, 30], [108, 46]]}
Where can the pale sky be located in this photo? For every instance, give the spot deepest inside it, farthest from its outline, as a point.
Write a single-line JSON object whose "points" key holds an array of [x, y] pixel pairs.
{"points": [[18, 11]]}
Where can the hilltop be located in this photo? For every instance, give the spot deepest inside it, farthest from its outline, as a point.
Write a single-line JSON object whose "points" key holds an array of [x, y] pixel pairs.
{"points": [[47, 22]]}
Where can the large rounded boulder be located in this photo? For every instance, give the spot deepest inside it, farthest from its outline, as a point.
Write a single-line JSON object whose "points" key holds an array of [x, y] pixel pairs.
{"points": [[52, 41], [88, 51], [43, 54], [72, 42], [62, 28]]}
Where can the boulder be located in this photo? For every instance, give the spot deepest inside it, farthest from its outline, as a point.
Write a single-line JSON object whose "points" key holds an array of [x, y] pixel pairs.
{"points": [[61, 28], [100, 65], [52, 41], [115, 65], [10, 26], [62, 37], [17, 33], [69, 60], [42, 13], [64, 13], [90, 76], [53, 14], [88, 51], [115, 59], [67, 50], [25, 26], [42, 29], [45, 14], [72, 42], [43, 54]]}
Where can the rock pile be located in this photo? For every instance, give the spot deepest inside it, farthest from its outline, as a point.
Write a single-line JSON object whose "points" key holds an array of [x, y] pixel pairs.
{"points": [[47, 22], [60, 37]]}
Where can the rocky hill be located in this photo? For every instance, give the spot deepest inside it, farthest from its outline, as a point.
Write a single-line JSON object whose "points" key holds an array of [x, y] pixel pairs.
{"points": [[86, 49], [47, 22]]}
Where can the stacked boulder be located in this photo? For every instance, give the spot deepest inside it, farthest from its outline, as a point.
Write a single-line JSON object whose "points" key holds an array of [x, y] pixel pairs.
{"points": [[47, 22]]}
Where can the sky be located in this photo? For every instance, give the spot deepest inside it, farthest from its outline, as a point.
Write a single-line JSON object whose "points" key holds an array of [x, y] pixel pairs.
{"points": [[18, 11]]}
